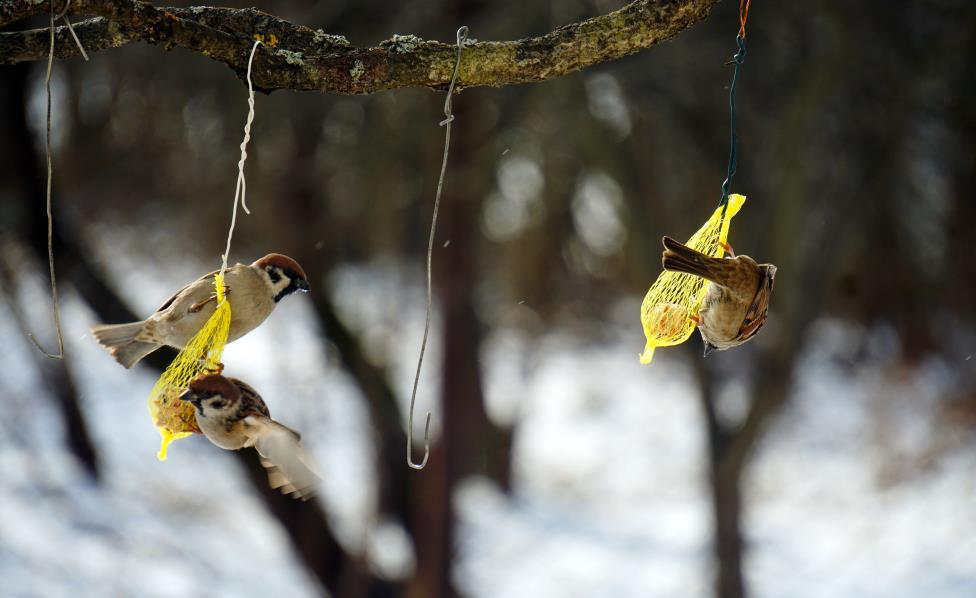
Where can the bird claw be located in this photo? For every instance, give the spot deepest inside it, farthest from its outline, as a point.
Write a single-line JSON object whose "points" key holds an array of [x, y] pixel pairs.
{"points": [[727, 248], [696, 319], [196, 307]]}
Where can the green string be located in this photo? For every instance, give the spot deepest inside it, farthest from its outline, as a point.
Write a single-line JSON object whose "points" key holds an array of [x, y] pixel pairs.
{"points": [[737, 60]]}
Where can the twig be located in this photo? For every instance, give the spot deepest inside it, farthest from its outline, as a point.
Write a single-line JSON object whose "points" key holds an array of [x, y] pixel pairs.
{"points": [[50, 218], [50, 171]]}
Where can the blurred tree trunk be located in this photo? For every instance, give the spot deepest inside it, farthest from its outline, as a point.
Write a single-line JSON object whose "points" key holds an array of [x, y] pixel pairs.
{"points": [[24, 220], [729, 449], [305, 200], [724, 476], [395, 481], [469, 444], [960, 290], [461, 397]]}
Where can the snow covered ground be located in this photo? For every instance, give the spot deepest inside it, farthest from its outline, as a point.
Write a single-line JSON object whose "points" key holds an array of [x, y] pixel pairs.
{"points": [[610, 496]]}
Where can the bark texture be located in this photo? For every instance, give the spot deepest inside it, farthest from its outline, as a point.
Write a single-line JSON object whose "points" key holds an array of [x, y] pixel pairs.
{"points": [[299, 58]]}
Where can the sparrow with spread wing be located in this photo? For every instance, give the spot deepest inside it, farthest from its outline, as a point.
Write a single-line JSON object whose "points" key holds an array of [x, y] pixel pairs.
{"points": [[233, 416], [736, 304], [253, 291]]}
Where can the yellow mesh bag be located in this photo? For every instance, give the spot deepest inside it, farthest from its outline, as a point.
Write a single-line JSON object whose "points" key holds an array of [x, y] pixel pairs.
{"points": [[675, 296], [174, 418]]}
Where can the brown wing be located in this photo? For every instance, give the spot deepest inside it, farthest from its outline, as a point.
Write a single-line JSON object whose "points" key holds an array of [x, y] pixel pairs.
{"points": [[678, 257], [290, 469], [759, 309], [251, 401], [170, 301]]}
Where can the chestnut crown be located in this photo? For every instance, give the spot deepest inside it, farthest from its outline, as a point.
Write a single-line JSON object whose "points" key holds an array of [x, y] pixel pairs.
{"points": [[208, 386], [284, 275]]}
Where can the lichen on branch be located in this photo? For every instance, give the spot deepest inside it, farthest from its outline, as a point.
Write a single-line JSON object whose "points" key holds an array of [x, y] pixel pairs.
{"points": [[303, 59]]}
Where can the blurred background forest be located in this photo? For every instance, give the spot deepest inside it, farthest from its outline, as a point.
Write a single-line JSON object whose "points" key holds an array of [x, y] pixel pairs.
{"points": [[833, 456]]}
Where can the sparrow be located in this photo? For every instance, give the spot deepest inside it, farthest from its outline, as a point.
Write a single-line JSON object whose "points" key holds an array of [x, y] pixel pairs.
{"points": [[253, 291], [736, 303], [233, 416]]}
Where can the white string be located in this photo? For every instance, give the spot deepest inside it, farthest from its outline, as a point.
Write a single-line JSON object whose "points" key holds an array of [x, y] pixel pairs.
{"points": [[462, 33], [240, 191]]}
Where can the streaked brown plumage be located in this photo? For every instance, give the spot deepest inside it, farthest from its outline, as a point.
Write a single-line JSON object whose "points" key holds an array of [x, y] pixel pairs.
{"points": [[736, 303], [233, 416], [254, 291]]}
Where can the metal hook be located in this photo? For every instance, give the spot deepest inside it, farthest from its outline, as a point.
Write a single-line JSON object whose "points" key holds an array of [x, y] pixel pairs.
{"points": [[462, 34]]}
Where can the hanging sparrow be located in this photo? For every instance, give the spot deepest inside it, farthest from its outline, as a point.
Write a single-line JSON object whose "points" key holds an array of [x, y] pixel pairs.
{"points": [[253, 292], [233, 416], [736, 303]]}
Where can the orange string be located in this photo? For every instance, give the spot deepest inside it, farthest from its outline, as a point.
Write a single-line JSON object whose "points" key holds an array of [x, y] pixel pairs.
{"points": [[743, 16]]}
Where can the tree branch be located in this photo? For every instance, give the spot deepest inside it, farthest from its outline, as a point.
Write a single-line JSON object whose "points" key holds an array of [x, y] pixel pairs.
{"points": [[299, 58]]}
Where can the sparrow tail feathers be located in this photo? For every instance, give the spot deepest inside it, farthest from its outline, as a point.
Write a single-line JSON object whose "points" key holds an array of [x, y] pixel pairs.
{"points": [[120, 341], [678, 257]]}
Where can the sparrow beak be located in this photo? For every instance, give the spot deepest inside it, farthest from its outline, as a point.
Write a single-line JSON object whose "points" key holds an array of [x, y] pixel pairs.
{"points": [[187, 395], [302, 285], [709, 349]]}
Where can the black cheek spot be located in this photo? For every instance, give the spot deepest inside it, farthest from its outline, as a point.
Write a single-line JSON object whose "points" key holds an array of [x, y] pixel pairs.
{"points": [[273, 274]]}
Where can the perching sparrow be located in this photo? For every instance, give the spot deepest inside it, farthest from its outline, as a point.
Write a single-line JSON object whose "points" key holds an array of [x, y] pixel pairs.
{"points": [[253, 292], [233, 416], [737, 301]]}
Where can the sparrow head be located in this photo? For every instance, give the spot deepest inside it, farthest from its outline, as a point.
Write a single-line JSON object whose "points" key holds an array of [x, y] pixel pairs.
{"points": [[213, 393], [283, 274]]}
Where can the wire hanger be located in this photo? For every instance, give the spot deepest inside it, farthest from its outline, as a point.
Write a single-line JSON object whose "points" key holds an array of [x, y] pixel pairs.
{"points": [[462, 34]]}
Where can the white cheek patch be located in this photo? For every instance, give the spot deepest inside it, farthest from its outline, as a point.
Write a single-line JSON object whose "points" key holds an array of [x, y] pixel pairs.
{"points": [[281, 285], [276, 286]]}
